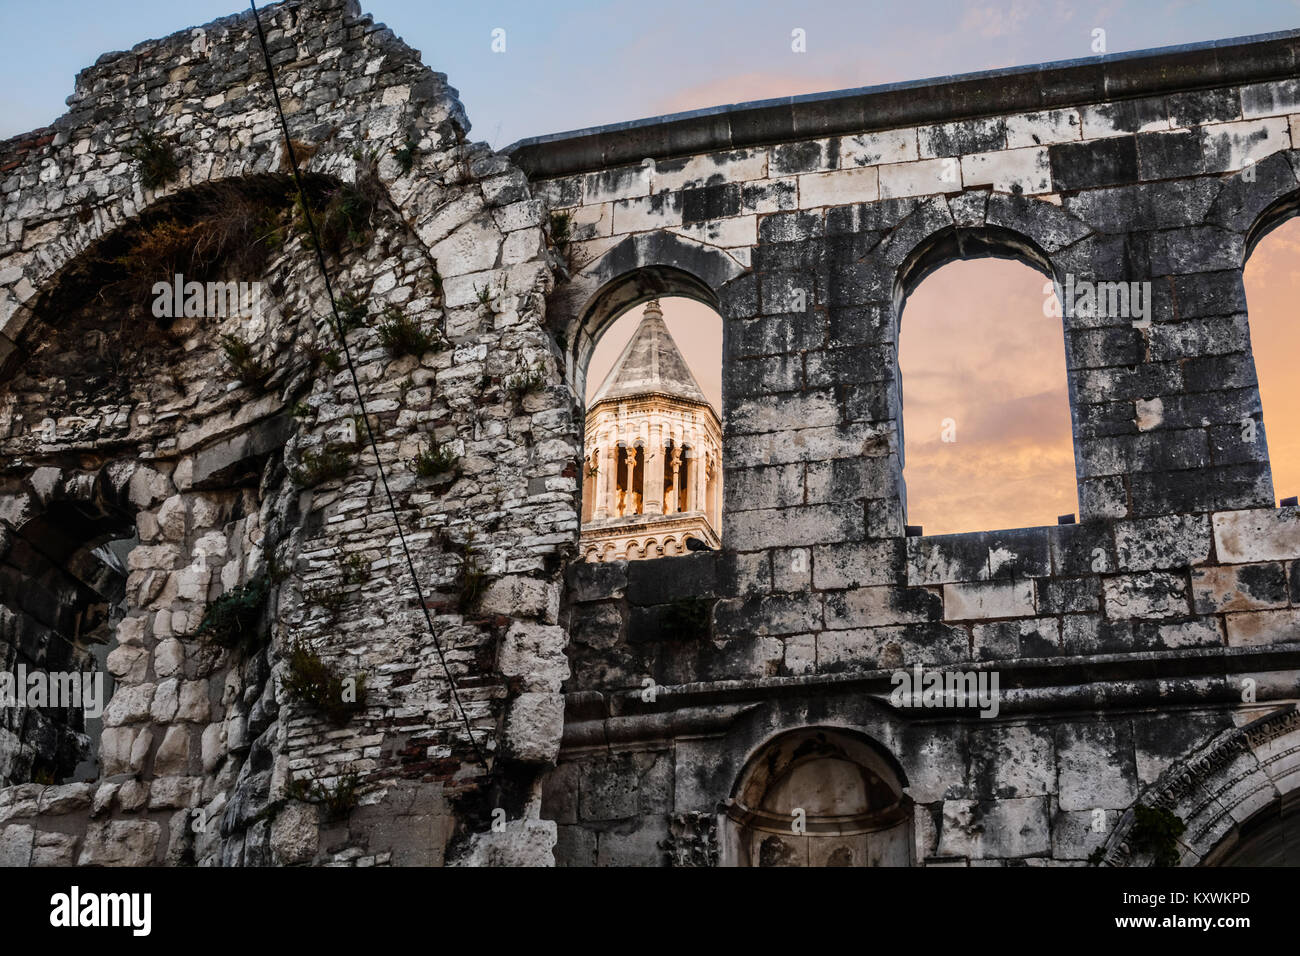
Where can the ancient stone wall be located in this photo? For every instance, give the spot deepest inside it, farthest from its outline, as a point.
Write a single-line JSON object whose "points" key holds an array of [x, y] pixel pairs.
{"points": [[245, 470], [1147, 656], [1122, 641]]}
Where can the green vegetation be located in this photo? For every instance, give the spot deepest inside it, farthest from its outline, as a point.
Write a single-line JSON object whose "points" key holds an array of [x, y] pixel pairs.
{"points": [[338, 800], [235, 618], [1156, 831], [434, 459], [157, 160], [326, 465], [406, 153], [561, 226], [527, 380], [402, 335], [352, 311], [356, 570], [311, 681], [344, 213], [243, 363]]}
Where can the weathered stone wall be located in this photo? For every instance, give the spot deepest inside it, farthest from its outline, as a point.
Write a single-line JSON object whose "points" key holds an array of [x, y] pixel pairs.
{"points": [[1146, 654], [1122, 642], [121, 424]]}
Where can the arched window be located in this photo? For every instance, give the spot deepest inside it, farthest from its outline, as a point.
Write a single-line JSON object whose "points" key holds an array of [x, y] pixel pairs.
{"points": [[1272, 280], [653, 429], [987, 440], [819, 797]]}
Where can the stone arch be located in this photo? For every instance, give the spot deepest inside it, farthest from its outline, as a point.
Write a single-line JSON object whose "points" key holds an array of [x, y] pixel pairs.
{"points": [[405, 103], [1253, 200], [818, 796], [1036, 227], [1218, 791], [953, 243], [640, 268], [1253, 206]]}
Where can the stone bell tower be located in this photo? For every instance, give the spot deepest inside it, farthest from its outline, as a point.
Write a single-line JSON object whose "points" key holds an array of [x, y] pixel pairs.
{"points": [[653, 467]]}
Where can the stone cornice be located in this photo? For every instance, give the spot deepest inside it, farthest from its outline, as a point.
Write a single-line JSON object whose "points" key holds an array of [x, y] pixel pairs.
{"points": [[1042, 86]]}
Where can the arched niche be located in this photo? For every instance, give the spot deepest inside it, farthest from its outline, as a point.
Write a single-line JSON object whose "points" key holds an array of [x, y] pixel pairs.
{"points": [[820, 796]]}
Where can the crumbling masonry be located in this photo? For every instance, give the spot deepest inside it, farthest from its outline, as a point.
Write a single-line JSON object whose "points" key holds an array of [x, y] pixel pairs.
{"points": [[671, 711]]}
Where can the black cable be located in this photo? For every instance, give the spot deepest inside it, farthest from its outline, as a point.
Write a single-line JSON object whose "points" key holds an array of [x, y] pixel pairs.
{"points": [[356, 384]]}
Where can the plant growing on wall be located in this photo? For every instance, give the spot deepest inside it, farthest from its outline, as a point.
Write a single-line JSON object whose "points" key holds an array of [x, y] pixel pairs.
{"points": [[561, 224], [473, 577], [338, 800], [1156, 831], [243, 362], [526, 380], [436, 458], [235, 618], [311, 681], [316, 467], [352, 311], [402, 335], [356, 570], [406, 153], [158, 165]]}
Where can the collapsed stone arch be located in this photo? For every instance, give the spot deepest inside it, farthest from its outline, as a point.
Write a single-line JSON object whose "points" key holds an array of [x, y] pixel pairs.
{"points": [[409, 104]]}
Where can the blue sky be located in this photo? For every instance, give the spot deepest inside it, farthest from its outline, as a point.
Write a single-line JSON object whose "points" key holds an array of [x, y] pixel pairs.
{"points": [[574, 64]]}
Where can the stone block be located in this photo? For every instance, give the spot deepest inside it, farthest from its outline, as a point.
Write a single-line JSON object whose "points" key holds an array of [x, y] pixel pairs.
{"points": [[1263, 534], [988, 599]]}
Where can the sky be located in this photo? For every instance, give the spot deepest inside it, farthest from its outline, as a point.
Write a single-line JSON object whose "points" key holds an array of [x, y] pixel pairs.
{"points": [[569, 65]]}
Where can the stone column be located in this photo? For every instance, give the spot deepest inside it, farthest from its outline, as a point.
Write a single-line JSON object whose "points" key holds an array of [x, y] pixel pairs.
{"points": [[695, 489], [654, 472], [674, 505], [605, 479], [702, 479], [629, 499]]}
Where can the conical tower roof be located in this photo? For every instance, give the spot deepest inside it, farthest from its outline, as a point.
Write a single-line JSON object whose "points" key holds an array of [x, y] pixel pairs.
{"points": [[650, 363]]}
